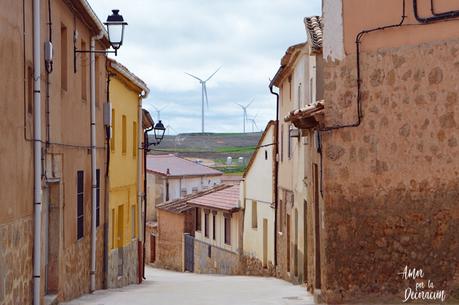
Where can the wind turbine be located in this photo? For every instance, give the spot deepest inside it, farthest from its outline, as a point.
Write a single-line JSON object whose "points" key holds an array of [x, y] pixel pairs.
{"points": [[204, 93], [169, 128], [244, 108], [158, 110], [254, 124]]}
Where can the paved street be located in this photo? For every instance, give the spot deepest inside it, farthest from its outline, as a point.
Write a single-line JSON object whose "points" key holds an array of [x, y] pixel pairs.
{"points": [[166, 288]]}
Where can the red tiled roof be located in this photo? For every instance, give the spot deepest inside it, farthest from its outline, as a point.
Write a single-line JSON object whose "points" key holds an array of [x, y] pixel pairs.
{"points": [[173, 166], [181, 205], [226, 199]]}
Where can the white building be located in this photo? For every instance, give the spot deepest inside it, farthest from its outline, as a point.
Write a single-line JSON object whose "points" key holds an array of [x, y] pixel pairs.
{"points": [[258, 197], [170, 177]]}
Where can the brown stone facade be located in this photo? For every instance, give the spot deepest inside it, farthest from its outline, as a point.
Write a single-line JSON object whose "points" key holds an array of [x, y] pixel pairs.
{"points": [[215, 260], [253, 266], [391, 184], [16, 242]]}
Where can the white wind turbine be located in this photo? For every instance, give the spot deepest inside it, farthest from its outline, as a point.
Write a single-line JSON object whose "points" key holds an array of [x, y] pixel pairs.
{"points": [[203, 94], [244, 108], [254, 124], [158, 110], [169, 128]]}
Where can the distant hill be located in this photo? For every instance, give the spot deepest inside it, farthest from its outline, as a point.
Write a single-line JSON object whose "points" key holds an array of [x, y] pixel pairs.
{"points": [[211, 146]]}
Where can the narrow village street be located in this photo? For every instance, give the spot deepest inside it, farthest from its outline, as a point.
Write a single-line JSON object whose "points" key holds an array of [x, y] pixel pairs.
{"points": [[167, 287]]}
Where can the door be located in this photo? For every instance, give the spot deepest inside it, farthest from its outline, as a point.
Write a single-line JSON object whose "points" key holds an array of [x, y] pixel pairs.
{"points": [[315, 173], [265, 242], [189, 253], [152, 248], [305, 243]]}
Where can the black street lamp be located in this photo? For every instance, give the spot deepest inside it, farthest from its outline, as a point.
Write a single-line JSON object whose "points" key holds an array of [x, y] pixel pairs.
{"points": [[159, 131], [115, 29]]}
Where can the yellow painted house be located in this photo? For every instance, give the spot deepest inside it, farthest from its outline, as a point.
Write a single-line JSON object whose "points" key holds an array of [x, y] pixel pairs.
{"points": [[126, 92]]}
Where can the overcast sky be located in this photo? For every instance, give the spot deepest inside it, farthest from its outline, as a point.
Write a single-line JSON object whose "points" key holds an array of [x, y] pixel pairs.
{"points": [[247, 38]]}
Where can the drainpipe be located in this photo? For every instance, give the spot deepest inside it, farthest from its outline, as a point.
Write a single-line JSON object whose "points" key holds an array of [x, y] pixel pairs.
{"points": [[37, 153], [140, 192], [93, 160], [276, 176]]}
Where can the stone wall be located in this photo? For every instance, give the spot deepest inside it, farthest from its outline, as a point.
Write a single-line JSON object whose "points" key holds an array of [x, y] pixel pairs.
{"points": [[391, 184], [130, 265], [220, 261], [16, 247], [253, 266]]}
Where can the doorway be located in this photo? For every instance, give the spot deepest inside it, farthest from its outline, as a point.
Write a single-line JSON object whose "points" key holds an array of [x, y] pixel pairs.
{"points": [[315, 175], [152, 248], [54, 230]]}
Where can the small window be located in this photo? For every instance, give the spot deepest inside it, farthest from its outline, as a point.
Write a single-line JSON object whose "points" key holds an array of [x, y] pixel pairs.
{"points": [[209, 251], [113, 226], [123, 131], [299, 95], [194, 190], [183, 192], [282, 143], [198, 219], [254, 215], [206, 224], [97, 197], [290, 87], [134, 139], [64, 57], [167, 191], [281, 215], [228, 229], [266, 155], [290, 128], [112, 146], [214, 226], [80, 204]]}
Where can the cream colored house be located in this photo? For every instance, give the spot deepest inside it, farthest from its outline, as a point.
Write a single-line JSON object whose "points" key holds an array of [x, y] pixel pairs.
{"points": [[258, 198], [298, 206]]}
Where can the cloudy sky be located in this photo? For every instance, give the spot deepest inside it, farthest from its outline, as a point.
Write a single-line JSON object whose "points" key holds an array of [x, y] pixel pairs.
{"points": [[247, 38]]}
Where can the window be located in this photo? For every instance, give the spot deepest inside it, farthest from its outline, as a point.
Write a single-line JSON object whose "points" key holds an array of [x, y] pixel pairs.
{"points": [[97, 197], [120, 223], [198, 219], [209, 251], [112, 146], [98, 79], [80, 204], [206, 223], [64, 55], [167, 190], [290, 128], [282, 143], [214, 225], [183, 192], [84, 72], [254, 215], [134, 139], [299, 95], [123, 131], [290, 87], [112, 221], [266, 155], [227, 229], [281, 215], [194, 190]]}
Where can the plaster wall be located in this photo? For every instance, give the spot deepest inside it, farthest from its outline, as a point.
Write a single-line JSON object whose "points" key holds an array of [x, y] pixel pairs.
{"points": [[170, 241]]}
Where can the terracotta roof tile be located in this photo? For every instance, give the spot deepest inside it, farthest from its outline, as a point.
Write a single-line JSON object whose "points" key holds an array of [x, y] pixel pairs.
{"points": [[314, 28], [226, 199]]}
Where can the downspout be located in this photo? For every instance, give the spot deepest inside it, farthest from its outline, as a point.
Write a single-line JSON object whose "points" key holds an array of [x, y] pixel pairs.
{"points": [[145, 151], [140, 192], [93, 160], [276, 176], [37, 152]]}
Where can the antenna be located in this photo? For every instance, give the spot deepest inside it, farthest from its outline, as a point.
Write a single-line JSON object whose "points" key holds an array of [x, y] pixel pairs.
{"points": [[204, 96]]}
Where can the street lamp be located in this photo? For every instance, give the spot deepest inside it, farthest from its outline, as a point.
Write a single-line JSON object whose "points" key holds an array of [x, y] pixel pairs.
{"points": [[115, 29], [159, 131]]}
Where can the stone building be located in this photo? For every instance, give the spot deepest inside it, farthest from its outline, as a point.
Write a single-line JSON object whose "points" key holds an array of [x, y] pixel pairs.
{"points": [[125, 170], [386, 139], [258, 201], [65, 247], [299, 79]]}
